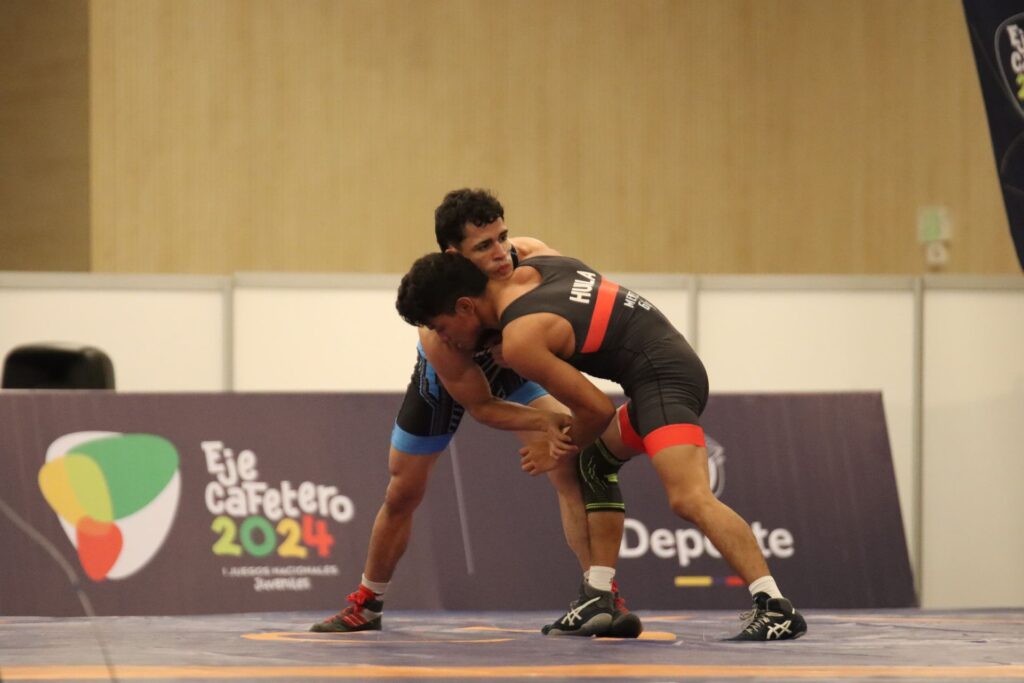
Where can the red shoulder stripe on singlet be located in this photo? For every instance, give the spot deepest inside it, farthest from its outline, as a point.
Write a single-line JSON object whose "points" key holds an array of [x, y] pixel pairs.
{"points": [[602, 314]]}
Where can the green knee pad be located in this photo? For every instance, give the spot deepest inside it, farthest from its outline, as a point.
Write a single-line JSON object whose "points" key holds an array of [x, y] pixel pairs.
{"points": [[599, 479]]}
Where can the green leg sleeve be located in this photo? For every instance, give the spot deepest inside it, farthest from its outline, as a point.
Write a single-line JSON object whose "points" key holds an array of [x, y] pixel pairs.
{"points": [[599, 479]]}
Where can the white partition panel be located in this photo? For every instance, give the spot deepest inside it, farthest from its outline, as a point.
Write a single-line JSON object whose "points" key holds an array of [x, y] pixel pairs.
{"points": [[320, 333], [162, 333], [819, 334], [973, 461]]}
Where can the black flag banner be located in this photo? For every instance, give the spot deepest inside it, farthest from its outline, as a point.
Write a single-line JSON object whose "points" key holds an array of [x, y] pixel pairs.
{"points": [[997, 37]]}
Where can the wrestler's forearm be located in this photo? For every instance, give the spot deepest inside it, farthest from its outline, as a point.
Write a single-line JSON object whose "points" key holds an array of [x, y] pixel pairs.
{"points": [[589, 423], [499, 414]]}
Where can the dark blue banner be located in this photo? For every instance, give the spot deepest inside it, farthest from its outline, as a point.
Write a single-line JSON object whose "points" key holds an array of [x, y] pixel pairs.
{"points": [[223, 503], [997, 37]]}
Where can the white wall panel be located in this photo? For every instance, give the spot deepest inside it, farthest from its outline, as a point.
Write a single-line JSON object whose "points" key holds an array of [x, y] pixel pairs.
{"points": [[973, 464], [328, 333], [161, 333]]}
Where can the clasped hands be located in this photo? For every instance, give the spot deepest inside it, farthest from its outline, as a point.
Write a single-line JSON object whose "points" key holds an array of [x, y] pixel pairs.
{"points": [[544, 452]]}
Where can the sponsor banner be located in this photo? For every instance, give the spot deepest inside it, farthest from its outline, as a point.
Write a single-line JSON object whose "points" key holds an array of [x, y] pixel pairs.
{"points": [[996, 30], [181, 504], [811, 473], [217, 503]]}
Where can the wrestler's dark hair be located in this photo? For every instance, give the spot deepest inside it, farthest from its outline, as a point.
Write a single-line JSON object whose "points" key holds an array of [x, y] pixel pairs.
{"points": [[459, 207], [433, 285]]}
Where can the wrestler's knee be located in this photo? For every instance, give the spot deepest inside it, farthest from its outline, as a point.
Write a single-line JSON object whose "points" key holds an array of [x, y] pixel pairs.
{"points": [[564, 477], [408, 483], [694, 506], [598, 473], [404, 494]]}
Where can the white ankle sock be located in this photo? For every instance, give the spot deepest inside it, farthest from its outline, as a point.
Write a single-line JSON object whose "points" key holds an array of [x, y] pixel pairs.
{"points": [[378, 587], [766, 584], [601, 578]]}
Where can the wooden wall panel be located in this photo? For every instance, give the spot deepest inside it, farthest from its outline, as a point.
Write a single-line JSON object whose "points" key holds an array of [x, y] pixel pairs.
{"points": [[44, 135], [736, 136]]}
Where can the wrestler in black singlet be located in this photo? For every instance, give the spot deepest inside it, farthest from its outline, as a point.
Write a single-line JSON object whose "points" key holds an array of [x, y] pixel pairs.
{"points": [[621, 337]]}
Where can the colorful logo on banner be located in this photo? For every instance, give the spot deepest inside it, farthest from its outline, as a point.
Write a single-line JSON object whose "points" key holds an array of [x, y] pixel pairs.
{"points": [[1010, 49], [258, 521], [115, 496]]}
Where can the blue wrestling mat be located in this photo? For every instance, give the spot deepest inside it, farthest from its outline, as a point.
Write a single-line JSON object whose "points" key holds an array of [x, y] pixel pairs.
{"points": [[904, 645]]}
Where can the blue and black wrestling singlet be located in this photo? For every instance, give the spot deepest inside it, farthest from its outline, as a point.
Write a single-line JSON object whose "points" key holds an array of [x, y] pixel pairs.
{"points": [[429, 415]]}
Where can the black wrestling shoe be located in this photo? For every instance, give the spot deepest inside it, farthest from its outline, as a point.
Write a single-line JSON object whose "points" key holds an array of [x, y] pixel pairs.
{"points": [[362, 613], [771, 619], [625, 624], [589, 615]]}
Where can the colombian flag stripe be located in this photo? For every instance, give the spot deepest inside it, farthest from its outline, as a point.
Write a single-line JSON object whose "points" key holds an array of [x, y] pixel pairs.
{"points": [[694, 581]]}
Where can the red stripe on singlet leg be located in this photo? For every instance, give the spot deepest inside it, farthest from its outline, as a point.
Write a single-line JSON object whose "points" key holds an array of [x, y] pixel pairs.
{"points": [[673, 435], [602, 314], [626, 430]]}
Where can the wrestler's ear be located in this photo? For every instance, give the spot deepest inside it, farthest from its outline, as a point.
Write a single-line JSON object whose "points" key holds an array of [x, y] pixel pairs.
{"points": [[465, 305]]}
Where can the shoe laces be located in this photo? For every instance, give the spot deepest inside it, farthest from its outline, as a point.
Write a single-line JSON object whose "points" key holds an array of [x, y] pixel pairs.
{"points": [[760, 607], [749, 616], [758, 620], [753, 614], [357, 600], [618, 602], [758, 617]]}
